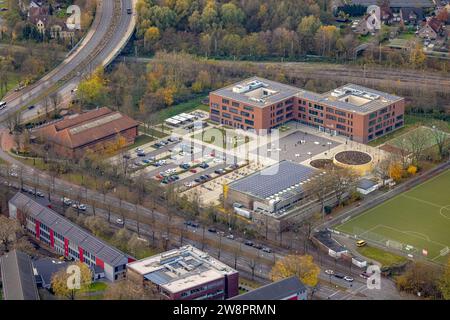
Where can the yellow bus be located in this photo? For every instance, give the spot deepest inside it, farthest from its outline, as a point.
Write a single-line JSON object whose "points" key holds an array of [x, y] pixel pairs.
{"points": [[360, 243]]}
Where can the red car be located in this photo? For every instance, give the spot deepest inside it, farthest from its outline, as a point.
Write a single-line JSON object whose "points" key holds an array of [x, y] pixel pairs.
{"points": [[193, 171]]}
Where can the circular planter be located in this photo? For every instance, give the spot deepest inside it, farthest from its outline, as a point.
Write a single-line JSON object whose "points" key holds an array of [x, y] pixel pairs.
{"points": [[359, 161]]}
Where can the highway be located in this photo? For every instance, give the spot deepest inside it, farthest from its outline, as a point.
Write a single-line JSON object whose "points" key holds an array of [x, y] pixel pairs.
{"points": [[110, 30]]}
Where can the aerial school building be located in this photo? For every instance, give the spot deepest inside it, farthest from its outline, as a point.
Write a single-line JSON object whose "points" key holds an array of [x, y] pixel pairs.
{"points": [[359, 113], [66, 238]]}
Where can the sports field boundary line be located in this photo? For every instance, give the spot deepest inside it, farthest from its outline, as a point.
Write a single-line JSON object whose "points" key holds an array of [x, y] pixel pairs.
{"points": [[415, 234], [424, 201], [394, 197]]}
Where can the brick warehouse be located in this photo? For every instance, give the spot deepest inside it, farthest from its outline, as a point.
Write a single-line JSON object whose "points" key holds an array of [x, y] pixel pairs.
{"points": [[74, 135], [359, 113]]}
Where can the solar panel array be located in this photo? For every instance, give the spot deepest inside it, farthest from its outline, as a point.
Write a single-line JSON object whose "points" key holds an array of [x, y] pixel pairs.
{"points": [[272, 180]]}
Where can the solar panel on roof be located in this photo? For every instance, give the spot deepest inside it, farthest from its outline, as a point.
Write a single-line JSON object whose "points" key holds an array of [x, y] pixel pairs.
{"points": [[263, 186]]}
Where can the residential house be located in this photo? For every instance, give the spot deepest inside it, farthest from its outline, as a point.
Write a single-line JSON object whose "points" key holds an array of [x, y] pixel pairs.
{"points": [[432, 29], [411, 16]]}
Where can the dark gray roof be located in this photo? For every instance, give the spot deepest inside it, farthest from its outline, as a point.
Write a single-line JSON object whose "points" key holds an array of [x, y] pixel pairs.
{"points": [[325, 238], [274, 291], [274, 179], [18, 277], [366, 184], [417, 11], [46, 267], [396, 3], [69, 230]]}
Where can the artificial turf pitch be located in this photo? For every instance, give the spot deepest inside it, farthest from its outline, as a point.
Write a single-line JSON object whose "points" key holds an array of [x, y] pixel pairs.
{"points": [[418, 218]]}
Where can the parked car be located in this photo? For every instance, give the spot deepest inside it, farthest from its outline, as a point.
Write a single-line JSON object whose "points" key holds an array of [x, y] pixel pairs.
{"points": [[66, 201], [203, 165], [365, 275], [82, 207], [139, 150], [249, 243], [146, 161], [213, 230], [230, 236], [126, 156], [119, 221], [141, 154], [329, 272], [185, 166], [348, 279], [198, 180], [339, 275], [258, 246], [195, 225], [266, 250], [193, 171], [40, 194]]}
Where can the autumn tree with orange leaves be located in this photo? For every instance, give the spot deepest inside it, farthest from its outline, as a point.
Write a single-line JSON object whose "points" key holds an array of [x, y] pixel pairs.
{"points": [[302, 267]]}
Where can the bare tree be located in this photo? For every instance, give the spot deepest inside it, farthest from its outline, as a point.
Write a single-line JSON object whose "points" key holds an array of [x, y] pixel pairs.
{"points": [[441, 137], [320, 187], [417, 141], [55, 101], [343, 181]]}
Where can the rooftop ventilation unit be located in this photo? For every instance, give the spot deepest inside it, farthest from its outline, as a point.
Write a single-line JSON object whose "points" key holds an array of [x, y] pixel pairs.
{"points": [[257, 99], [338, 93], [241, 88]]}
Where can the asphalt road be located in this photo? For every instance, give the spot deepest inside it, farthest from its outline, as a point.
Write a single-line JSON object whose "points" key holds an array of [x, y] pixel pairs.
{"points": [[83, 60], [333, 288]]}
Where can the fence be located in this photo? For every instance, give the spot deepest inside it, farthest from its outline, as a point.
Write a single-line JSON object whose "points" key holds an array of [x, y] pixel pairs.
{"points": [[382, 240]]}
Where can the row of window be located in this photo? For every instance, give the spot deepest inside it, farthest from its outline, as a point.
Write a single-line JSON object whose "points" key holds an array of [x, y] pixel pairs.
{"points": [[234, 104]]}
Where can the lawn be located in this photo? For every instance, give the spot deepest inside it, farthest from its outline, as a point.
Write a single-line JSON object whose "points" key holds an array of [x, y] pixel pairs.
{"points": [[411, 122], [13, 82], [182, 107], [385, 258], [140, 140], [221, 138], [416, 222], [402, 140]]}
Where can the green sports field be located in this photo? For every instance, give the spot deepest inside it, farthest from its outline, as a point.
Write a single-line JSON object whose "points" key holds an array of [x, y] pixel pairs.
{"points": [[413, 221]]}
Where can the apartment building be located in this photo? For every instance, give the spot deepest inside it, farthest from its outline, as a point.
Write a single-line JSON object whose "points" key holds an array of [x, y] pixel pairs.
{"points": [[359, 113], [66, 238]]}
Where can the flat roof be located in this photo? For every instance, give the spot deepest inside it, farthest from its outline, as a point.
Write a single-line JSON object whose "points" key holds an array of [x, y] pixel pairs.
{"points": [[277, 181], [18, 277], [180, 269], [366, 183], [356, 98], [274, 291], [349, 97], [278, 92], [69, 230]]}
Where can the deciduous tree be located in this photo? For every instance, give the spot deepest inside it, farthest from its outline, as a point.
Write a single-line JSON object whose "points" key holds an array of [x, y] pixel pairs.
{"points": [[302, 267]]}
